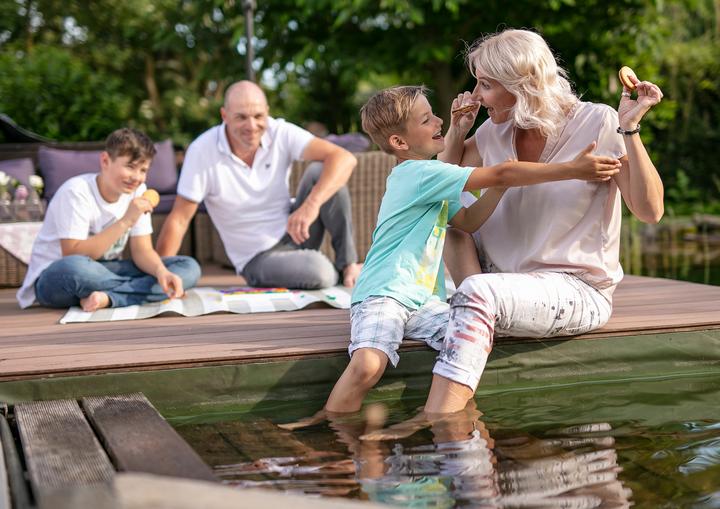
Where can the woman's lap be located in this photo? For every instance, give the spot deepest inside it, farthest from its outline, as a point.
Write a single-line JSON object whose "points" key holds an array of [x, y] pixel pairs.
{"points": [[538, 304]]}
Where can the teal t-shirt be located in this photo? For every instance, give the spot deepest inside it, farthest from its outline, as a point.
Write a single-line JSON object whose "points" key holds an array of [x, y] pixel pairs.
{"points": [[405, 258]]}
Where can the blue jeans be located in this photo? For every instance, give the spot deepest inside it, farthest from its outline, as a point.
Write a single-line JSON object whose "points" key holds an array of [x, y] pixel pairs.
{"points": [[74, 277]]}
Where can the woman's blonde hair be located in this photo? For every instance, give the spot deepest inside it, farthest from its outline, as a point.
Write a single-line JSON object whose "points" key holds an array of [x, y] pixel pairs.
{"points": [[522, 62]]}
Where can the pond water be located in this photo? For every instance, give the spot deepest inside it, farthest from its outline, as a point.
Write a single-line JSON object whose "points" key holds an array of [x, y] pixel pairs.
{"points": [[675, 249], [646, 443], [649, 443]]}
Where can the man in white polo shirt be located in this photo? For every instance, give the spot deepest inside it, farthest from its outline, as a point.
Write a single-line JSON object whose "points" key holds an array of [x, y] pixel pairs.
{"points": [[240, 170]]}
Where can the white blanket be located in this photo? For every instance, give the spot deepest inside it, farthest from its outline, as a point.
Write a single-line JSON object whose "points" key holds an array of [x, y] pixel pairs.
{"points": [[203, 300]]}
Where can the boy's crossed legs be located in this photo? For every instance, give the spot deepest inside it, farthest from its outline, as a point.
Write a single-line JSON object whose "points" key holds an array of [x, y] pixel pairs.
{"points": [[72, 279]]}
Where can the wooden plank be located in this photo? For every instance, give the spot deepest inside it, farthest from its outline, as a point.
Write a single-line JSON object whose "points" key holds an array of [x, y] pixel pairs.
{"points": [[18, 492], [5, 442], [61, 450], [4, 480], [140, 440]]}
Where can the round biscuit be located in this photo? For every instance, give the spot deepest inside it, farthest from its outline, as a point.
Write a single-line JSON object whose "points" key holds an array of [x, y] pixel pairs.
{"points": [[152, 196], [624, 75]]}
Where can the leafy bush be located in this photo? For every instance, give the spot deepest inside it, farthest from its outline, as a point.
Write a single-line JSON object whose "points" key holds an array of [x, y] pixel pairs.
{"points": [[57, 95]]}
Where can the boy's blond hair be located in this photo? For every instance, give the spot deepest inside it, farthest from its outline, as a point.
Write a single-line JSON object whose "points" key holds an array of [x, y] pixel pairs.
{"points": [[386, 113], [131, 143]]}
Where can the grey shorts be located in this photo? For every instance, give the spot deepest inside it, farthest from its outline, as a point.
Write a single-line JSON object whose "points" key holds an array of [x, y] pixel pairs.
{"points": [[382, 322]]}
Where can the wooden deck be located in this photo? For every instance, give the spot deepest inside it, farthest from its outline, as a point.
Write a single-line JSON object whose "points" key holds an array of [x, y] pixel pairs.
{"points": [[34, 345]]}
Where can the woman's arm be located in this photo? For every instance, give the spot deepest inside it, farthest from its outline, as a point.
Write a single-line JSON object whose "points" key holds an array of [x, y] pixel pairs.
{"points": [[639, 182]]}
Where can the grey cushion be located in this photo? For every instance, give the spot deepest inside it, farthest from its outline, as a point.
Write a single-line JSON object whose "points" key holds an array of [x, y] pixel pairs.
{"points": [[20, 169], [58, 165]]}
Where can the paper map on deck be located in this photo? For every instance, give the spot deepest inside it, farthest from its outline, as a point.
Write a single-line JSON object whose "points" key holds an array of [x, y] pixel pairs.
{"points": [[204, 300]]}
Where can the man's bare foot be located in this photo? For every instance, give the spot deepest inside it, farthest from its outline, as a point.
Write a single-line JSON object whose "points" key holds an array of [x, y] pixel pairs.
{"points": [[95, 301], [351, 273]]}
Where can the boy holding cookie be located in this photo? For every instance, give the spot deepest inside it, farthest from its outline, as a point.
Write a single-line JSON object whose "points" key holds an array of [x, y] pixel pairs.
{"points": [[76, 256]]}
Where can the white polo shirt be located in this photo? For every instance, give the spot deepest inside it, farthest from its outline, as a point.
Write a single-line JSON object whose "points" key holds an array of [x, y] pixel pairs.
{"points": [[249, 206]]}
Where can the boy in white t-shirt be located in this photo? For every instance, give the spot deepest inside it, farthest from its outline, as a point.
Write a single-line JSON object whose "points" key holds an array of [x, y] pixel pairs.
{"points": [[400, 292], [76, 256]]}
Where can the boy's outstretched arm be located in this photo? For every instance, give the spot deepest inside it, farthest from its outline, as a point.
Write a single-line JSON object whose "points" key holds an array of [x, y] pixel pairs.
{"points": [[97, 245], [585, 166], [149, 261], [473, 217]]}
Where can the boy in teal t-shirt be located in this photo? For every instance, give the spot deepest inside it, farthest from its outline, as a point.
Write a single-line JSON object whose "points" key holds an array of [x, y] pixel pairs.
{"points": [[400, 292]]}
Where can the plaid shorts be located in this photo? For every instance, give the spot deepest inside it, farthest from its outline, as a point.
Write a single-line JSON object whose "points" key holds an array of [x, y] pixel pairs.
{"points": [[382, 322]]}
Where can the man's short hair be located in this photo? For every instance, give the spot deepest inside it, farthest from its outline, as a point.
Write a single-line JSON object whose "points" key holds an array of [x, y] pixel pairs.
{"points": [[131, 143], [387, 112]]}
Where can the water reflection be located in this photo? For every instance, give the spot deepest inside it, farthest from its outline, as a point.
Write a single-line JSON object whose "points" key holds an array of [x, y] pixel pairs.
{"points": [[678, 248], [445, 461]]}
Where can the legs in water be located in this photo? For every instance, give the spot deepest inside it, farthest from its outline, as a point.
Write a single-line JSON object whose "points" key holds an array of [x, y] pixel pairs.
{"points": [[537, 304], [362, 373]]}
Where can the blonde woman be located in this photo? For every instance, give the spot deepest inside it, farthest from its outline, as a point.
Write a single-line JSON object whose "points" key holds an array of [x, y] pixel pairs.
{"points": [[546, 262]]}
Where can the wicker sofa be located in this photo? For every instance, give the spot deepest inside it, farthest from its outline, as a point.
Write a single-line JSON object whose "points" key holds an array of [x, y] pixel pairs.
{"points": [[366, 186]]}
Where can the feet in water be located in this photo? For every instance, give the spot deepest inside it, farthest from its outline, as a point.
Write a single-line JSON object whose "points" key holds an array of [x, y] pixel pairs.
{"points": [[351, 273], [95, 301], [319, 417], [374, 415]]}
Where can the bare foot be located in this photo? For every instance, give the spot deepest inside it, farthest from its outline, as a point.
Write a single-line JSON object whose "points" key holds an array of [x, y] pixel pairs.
{"points": [[95, 301], [399, 430], [351, 273], [306, 422]]}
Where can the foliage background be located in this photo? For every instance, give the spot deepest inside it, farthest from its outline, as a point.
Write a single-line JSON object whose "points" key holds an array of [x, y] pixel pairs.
{"points": [[77, 70]]}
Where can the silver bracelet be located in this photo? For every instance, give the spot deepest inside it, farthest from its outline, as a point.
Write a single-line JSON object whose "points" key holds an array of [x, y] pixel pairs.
{"points": [[622, 131]]}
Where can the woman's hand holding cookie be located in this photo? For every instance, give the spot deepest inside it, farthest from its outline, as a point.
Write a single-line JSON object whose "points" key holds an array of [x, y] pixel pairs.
{"points": [[631, 111], [463, 111]]}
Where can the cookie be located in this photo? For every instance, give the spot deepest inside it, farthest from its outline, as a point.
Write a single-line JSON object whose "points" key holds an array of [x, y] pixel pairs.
{"points": [[463, 109], [152, 196], [624, 75]]}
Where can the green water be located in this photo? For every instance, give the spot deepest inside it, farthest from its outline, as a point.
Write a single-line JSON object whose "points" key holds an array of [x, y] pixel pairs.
{"points": [[675, 249], [652, 443]]}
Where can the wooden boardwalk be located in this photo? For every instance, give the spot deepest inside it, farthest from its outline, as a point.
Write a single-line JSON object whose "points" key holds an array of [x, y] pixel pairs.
{"points": [[72, 449], [34, 345]]}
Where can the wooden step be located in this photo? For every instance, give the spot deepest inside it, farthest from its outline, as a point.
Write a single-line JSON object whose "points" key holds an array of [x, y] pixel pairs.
{"points": [[4, 479], [139, 439], [61, 449]]}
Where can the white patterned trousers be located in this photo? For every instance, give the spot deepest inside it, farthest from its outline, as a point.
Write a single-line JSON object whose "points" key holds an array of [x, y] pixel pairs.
{"points": [[534, 305]]}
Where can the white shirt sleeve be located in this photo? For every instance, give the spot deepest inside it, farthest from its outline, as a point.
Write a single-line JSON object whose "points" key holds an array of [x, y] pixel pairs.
{"points": [[609, 142], [295, 138], [193, 181]]}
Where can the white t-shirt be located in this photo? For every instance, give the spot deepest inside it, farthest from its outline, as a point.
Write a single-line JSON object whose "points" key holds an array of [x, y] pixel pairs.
{"points": [[568, 226], [249, 206], [78, 211]]}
